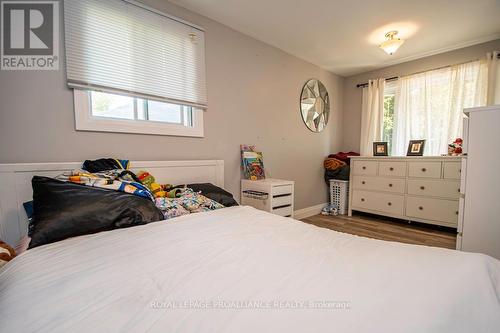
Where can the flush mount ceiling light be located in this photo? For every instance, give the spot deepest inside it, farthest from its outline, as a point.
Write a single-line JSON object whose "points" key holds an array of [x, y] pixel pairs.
{"points": [[392, 44]]}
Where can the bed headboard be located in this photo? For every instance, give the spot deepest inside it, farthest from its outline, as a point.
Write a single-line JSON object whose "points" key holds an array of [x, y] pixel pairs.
{"points": [[15, 185]]}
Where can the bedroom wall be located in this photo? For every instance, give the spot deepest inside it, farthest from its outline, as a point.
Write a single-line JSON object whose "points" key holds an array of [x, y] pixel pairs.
{"points": [[253, 94], [353, 95]]}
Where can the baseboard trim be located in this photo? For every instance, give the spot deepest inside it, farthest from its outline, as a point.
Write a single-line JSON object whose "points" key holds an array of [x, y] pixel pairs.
{"points": [[308, 211]]}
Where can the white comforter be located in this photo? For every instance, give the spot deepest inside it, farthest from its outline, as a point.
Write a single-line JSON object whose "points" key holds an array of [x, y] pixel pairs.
{"points": [[242, 270]]}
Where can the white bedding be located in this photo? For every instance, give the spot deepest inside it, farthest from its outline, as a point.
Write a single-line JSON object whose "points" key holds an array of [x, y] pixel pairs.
{"points": [[128, 280]]}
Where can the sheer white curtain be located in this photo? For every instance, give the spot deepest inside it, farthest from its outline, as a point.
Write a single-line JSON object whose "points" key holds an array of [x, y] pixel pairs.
{"points": [[493, 78], [430, 105], [372, 117]]}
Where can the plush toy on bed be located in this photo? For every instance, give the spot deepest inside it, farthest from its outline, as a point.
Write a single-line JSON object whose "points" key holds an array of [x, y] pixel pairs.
{"points": [[159, 191], [7, 253]]}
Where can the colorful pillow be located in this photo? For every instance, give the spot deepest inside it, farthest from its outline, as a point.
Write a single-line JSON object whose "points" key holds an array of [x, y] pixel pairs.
{"points": [[7, 253], [215, 193], [188, 202], [195, 202], [170, 207]]}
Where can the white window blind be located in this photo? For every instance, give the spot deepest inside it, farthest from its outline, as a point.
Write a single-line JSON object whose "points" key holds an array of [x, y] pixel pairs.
{"points": [[122, 47]]}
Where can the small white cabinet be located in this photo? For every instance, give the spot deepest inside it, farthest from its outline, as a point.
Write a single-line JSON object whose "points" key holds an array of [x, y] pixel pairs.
{"points": [[422, 189], [275, 196]]}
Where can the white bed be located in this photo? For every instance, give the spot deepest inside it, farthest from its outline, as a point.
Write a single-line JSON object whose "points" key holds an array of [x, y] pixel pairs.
{"points": [[242, 270]]}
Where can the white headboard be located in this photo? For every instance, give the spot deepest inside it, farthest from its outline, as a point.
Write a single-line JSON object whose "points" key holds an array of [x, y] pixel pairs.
{"points": [[15, 185]]}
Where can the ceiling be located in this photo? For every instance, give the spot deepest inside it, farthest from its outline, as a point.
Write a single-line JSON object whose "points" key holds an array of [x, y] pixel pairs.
{"points": [[342, 35]]}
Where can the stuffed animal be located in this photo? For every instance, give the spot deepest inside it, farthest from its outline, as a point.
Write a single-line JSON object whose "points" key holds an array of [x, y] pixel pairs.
{"points": [[159, 191], [145, 178], [7, 253], [455, 148]]}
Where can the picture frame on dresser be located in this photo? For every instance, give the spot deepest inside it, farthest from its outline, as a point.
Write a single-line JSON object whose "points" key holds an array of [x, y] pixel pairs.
{"points": [[416, 148], [380, 149]]}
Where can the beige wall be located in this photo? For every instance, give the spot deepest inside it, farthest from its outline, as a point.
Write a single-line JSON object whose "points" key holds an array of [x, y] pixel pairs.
{"points": [[253, 94], [353, 95]]}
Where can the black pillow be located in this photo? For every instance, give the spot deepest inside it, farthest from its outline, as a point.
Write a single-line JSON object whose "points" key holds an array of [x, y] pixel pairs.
{"points": [[215, 193], [63, 210]]}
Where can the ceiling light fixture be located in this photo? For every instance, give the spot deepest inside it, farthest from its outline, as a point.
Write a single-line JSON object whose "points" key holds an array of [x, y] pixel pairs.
{"points": [[392, 44]]}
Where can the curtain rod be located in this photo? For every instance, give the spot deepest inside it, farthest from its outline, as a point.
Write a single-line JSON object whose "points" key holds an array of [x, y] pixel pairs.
{"points": [[394, 78]]}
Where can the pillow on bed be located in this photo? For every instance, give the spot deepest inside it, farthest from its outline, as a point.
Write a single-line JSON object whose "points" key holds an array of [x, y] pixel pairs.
{"points": [[7, 253], [189, 202], [215, 193], [28, 208], [63, 210]]}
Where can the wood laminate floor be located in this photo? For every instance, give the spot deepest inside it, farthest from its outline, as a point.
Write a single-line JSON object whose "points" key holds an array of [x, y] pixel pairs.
{"points": [[373, 226]]}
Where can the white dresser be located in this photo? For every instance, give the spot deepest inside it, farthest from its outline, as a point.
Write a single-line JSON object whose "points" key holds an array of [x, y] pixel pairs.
{"points": [[271, 195], [421, 189], [479, 226]]}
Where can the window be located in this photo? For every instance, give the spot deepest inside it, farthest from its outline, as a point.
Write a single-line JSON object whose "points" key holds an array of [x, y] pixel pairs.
{"points": [[430, 106], [134, 69], [389, 101], [125, 107], [107, 112]]}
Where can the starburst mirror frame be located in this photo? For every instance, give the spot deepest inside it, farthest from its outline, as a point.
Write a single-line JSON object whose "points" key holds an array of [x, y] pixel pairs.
{"points": [[315, 105]]}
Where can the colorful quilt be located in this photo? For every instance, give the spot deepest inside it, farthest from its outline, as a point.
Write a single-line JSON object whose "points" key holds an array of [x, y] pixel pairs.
{"points": [[118, 180], [188, 202]]}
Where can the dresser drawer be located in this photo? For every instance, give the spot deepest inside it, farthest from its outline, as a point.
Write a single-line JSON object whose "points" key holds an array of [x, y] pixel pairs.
{"points": [[282, 189], [394, 169], [284, 211], [395, 185], [366, 168], [452, 170], [434, 188], [424, 169], [432, 209], [382, 202]]}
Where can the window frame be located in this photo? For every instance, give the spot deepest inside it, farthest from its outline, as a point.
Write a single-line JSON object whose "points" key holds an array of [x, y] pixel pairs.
{"points": [[390, 88], [85, 121]]}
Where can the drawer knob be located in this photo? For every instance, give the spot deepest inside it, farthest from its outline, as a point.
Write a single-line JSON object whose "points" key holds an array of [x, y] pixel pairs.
{"points": [[364, 168], [421, 208], [363, 182], [422, 188], [424, 169], [390, 185], [456, 213], [389, 203], [391, 168], [458, 190], [362, 199]]}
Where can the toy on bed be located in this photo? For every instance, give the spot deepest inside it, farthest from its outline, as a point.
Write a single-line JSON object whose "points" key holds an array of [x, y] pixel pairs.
{"points": [[158, 190]]}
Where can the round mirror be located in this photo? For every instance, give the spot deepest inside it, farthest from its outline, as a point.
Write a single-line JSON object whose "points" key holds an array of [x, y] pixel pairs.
{"points": [[315, 105]]}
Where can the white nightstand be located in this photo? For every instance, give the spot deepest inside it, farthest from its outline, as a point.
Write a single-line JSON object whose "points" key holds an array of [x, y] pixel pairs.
{"points": [[271, 195]]}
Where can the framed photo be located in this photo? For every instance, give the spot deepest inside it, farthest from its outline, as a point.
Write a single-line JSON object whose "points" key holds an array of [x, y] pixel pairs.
{"points": [[380, 149], [416, 148]]}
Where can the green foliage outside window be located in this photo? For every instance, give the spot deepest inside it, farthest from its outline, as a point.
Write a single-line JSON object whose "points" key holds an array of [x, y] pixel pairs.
{"points": [[388, 120]]}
